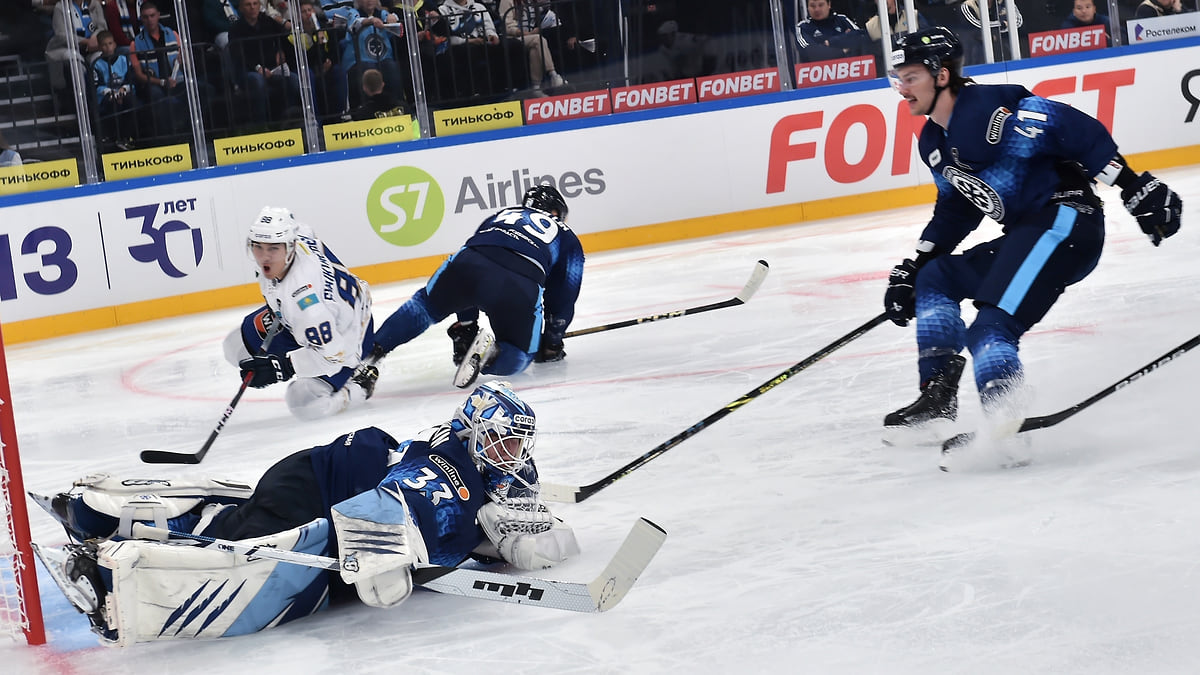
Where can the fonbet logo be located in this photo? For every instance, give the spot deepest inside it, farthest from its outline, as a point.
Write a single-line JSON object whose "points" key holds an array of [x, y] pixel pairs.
{"points": [[405, 206]]}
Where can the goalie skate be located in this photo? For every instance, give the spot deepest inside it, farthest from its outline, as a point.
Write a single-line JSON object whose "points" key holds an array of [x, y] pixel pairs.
{"points": [[479, 355], [76, 573]]}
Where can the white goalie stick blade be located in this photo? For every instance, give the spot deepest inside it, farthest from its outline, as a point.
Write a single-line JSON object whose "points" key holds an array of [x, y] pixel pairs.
{"points": [[562, 494], [600, 594]]}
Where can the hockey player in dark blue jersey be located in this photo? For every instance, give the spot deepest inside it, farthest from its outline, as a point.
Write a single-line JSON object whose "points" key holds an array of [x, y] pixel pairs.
{"points": [[465, 488], [1028, 163], [522, 267]]}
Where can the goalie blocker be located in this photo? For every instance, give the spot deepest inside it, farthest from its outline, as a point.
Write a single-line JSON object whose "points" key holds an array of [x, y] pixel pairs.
{"points": [[419, 506]]}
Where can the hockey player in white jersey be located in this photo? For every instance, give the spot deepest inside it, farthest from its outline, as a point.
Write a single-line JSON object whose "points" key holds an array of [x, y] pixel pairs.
{"points": [[325, 312], [465, 488]]}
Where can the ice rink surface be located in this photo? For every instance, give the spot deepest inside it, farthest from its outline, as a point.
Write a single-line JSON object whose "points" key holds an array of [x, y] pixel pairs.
{"points": [[798, 543]]}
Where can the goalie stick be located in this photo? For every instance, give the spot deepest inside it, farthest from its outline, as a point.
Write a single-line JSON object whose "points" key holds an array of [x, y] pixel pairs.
{"points": [[598, 595], [168, 457], [756, 278], [553, 492], [1031, 423]]}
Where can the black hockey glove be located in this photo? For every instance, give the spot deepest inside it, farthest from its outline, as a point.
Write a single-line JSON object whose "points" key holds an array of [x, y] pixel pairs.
{"points": [[1156, 206], [550, 351], [267, 369], [900, 301]]}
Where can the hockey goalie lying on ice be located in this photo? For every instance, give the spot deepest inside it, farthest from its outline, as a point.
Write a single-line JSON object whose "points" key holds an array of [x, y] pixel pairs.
{"points": [[467, 487]]}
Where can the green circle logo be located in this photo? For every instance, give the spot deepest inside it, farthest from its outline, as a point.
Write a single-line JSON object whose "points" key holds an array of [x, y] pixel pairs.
{"points": [[405, 206]]}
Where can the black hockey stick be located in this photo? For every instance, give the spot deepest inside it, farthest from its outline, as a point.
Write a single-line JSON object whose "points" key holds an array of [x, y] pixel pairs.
{"points": [[600, 594], [743, 296], [1031, 423], [570, 494], [168, 457]]}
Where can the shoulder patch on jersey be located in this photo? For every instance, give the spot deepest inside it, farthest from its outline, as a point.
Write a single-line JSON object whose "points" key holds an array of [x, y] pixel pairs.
{"points": [[996, 124], [935, 157], [307, 301]]}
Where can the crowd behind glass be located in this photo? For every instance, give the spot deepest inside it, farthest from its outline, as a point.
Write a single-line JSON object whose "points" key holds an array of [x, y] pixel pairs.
{"points": [[96, 76]]}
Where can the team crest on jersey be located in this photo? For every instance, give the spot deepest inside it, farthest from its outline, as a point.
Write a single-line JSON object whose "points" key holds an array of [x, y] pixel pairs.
{"points": [[958, 160], [996, 124], [456, 480], [979, 193], [307, 301]]}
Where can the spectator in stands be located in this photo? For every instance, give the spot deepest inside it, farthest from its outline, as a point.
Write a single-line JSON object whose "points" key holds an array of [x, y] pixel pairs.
{"points": [[679, 55], [1152, 8], [320, 40], [377, 100], [75, 23], [260, 54], [8, 155], [156, 71], [971, 32], [1084, 14], [827, 35], [898, 22], [477, 53], [112, 82], [122, 19], [369, 46], [524, 20]]}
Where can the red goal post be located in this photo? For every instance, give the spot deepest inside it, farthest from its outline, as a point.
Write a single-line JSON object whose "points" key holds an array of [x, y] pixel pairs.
{"points": [[20, 604]]}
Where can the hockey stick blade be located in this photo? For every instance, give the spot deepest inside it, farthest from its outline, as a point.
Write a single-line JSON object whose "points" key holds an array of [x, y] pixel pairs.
{"points": [[1031, 423], [168, 457], [757, 275], [600, 594], [568, 494]]}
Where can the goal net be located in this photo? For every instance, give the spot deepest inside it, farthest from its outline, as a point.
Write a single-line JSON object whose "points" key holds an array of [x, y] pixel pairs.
{"points": [[20, 606]]}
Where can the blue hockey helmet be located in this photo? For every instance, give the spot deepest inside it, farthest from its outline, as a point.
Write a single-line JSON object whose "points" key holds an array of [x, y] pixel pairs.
{"points": [[546, 198], [935, 48], [497, 427]]}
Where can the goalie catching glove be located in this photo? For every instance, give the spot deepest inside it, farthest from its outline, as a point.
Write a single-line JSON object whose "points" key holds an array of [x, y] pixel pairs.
{"points": [[526, 534], [1155, 206], [267, 369]]}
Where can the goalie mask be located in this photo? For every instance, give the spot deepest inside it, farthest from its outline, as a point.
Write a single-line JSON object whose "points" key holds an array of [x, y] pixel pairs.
{"points": [[274, 225], [499, 430]]}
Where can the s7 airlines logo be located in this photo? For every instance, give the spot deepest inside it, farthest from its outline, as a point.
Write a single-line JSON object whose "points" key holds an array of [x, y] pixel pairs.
{"points": [[405, 206]]}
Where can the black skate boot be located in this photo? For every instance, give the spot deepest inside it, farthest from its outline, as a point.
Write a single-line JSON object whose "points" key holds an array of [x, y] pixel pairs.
{"points": [[462, 334], [365, 377], [938, 402], [75, 570]]}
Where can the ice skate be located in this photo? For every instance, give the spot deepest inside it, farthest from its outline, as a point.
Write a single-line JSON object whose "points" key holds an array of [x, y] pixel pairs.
{"points": [[480, 354], [365, 376], [76, 572], [928, 420], [59, 508], [462, 334], [999, 442]]}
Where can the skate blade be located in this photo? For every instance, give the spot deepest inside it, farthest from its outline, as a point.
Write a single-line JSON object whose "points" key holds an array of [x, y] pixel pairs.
{"points": [[930, 434], [54, 560]]}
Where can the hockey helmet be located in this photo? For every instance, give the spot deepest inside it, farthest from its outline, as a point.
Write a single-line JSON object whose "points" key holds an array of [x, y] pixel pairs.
{"points": [[275, 225], [546, 198], [498, 428], [935, 48]]}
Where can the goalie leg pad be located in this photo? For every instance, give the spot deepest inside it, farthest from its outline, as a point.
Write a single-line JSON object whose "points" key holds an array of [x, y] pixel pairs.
{"points": [[164, 591], [378, 543], [101, 506]]}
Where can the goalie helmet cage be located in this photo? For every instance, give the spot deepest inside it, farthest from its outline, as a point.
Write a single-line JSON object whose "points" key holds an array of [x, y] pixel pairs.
{"points": [[20, 605]]}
